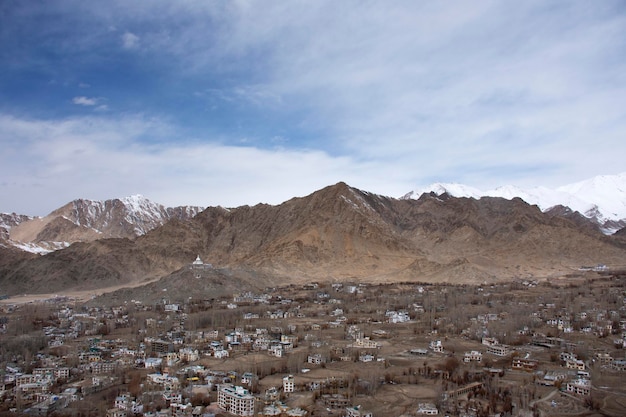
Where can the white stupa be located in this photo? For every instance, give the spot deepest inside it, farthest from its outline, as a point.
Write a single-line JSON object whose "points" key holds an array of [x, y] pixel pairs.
{"points": [[198, 264], [198, 261]]}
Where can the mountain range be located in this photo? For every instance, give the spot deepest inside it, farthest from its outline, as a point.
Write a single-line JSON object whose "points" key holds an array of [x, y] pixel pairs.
{"points": [[87, 220], [336, 233], [601, 199]]}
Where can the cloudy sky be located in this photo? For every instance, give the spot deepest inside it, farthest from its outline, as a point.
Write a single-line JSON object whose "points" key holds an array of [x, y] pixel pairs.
{"points": [[240, 102]]}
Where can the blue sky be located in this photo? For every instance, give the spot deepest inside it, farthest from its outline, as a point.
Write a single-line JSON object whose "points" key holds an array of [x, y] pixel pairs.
{"points": [[240, 102]]}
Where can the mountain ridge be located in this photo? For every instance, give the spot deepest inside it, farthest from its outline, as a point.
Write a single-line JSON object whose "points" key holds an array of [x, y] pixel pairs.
{"points": [[88, 220], [336, 233], [601, 199]]}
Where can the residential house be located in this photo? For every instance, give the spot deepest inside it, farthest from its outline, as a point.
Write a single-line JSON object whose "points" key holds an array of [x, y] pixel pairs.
{"points": [[524, 364], [580, 387], [473, 356]]}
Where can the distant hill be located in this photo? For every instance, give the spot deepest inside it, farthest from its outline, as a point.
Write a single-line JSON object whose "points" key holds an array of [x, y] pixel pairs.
{"points": [[337, 233]]}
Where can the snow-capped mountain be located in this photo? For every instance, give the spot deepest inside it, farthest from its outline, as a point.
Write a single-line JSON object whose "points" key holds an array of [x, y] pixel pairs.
{"points": [[9, 220], [135, 214], [86, 220], [602, 199]]}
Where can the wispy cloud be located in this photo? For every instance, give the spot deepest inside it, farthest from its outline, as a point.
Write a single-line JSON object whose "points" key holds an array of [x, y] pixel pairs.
{"points": [[85, 101], [130, 40]]}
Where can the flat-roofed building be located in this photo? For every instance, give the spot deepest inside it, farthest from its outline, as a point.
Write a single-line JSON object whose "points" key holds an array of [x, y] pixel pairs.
{"points": [[580, 387], [235, 400]]}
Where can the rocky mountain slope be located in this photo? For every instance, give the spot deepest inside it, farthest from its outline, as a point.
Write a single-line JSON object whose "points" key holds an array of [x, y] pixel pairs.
{"points": [[337, 233], [87, 220], [9, 221], [600, 199]]}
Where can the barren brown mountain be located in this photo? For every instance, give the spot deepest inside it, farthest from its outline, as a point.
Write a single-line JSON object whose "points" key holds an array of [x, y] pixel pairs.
{"points": [[337, 233]]}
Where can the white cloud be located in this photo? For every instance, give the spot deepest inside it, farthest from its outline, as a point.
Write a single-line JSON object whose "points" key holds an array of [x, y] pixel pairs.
{"points": [[85, 101], [130, 40], [45, 164], [485, 93]]}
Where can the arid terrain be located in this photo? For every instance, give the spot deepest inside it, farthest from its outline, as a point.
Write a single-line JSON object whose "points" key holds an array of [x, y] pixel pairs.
{"points": [[386, 349]]}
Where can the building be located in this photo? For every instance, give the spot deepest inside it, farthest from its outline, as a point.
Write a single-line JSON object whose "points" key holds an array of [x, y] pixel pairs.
{"points": [[315, 359], [473, 356], [490, 341], [56, 373], [618, 365], [580, 387], [552, 378], [436, 346], [188, 354], [248, 378], [366, 343], [499, 350], [427, 409], [289, 384], [276, 350], [235, 400], [523, 364], [573, 363], [161, 347], [221, 354]]}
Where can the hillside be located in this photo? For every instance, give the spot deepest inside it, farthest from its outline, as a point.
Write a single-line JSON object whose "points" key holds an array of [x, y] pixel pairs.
{"points": [[337, 233]]}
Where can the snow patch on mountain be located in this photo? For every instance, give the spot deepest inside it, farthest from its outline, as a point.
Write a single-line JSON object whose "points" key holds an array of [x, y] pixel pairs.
{"points": [[601, 199], [40, 248]]}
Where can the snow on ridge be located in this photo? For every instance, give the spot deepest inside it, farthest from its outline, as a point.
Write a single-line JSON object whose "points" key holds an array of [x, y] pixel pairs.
{"points": [[141, 211], [602, 197], [607, 192], [40, 249], [453, 189]]}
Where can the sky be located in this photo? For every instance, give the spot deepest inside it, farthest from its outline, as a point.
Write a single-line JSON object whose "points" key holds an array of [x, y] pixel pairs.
{"points": [[242, 102]]}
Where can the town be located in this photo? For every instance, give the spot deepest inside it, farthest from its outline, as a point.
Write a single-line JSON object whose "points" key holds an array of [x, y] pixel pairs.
{"points": [[522, 348]]}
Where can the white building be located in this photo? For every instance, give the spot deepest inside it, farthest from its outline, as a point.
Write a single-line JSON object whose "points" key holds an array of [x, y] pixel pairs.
{"points": [[397, 316], [573, 363], [235, 400], [490, 341], [188, 354], [427, 409], [276, 350], [289, 384], [473, 356], [436, 346], [221, 354], [579, 386]]}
